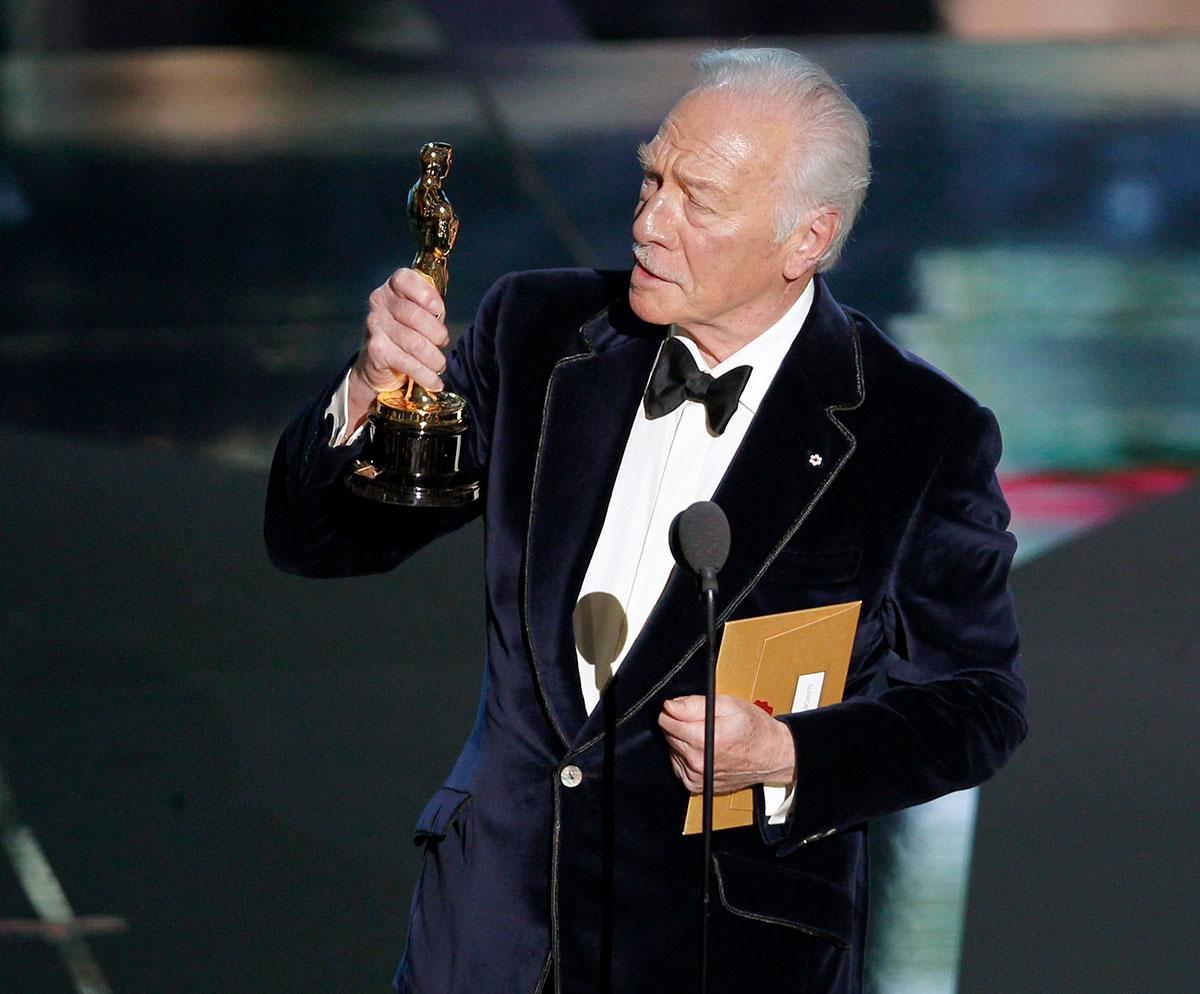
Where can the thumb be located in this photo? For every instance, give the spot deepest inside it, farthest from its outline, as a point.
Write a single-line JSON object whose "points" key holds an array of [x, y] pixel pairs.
{"points": [[689, 708]]}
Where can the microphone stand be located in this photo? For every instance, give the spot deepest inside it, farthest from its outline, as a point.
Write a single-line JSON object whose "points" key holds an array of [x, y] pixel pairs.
{"points": [[708, 592], [699, 539]]}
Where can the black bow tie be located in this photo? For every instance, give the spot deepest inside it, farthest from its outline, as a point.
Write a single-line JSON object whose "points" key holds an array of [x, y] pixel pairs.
{"points": [[677, 378]]}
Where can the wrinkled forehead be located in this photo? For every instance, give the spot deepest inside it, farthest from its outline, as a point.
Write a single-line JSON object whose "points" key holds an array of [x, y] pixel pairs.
{"points": [[720, 132]]}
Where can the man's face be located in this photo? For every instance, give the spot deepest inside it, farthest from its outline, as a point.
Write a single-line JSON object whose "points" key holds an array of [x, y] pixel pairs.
{"points": [[703, 230]]}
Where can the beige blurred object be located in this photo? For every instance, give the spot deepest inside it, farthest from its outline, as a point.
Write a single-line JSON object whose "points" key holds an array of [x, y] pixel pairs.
{"points": [[782, 662], [1002, 20]]}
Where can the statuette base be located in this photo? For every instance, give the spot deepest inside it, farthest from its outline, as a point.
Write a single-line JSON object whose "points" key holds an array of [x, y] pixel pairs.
{"points": [[366, 480], [413, 454]]}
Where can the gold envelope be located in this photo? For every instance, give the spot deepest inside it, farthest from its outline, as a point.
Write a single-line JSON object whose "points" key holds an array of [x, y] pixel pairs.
{"points": [[764, 660]]}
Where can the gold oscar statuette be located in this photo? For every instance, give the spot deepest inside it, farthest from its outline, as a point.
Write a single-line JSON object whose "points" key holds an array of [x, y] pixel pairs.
{"points": [[414, 437]]}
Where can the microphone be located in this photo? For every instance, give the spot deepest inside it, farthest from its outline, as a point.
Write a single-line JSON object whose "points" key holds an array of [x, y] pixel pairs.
{"points": [[699, 539]]}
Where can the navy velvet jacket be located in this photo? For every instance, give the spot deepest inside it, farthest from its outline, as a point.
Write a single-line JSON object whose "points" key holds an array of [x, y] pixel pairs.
{"points": [[902, 511]]}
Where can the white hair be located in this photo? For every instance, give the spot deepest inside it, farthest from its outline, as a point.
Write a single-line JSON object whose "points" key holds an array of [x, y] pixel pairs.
{"points": [[831, 164]]}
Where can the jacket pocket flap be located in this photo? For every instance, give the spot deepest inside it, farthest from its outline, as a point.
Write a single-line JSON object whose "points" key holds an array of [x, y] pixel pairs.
{"points": [[439, 815], [769, 892]]}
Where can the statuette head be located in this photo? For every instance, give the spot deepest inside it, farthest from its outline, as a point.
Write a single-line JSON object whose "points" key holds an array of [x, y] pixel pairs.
{"points": [[435, 159]]}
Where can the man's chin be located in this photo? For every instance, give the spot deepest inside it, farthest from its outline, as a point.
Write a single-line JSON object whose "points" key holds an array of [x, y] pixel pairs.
{"points": [[649, 305]]}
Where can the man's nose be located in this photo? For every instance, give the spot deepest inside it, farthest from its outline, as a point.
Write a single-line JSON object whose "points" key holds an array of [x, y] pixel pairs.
{"points": [[652, 223]]}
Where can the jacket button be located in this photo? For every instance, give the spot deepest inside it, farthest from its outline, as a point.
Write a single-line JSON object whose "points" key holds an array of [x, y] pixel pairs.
{"points": [[571, 776]]}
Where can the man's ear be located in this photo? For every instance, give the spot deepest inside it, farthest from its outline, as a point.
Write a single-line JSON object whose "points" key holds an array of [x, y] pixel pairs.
{"points": [[810, 240]]}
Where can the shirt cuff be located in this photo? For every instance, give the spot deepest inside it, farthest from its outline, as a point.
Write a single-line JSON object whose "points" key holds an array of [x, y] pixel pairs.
{"points": [[339, 410], [778, 801]]}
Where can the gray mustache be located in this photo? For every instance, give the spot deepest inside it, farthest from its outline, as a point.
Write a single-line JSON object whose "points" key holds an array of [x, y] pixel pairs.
{"points": [[642, 254]]}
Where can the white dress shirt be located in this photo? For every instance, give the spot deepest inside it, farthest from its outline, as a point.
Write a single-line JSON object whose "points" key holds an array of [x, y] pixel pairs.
{"points": [[669, 463], [339, 410]]}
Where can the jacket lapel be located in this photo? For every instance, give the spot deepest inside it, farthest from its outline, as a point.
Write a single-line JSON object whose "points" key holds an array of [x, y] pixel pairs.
{"points": [[792, 452], [591, 401]]}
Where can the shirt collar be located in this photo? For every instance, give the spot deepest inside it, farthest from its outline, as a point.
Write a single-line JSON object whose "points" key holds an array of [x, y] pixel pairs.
{"points": [[764, 353]]}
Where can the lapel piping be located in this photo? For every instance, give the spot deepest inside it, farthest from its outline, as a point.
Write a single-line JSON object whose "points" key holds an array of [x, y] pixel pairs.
{"points": [[563, 702], [585, 352]]}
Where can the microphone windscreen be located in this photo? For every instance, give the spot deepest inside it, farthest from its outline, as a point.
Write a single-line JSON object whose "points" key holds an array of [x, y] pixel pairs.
{"points": [[700, 537]]}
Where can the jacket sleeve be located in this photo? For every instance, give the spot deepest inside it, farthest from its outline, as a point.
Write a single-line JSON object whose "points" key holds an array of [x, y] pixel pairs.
{"points": [[314, 527], [954, 708]]}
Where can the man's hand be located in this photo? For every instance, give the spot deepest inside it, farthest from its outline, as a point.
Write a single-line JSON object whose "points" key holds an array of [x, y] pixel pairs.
{"points": [[405, 336], [749, 745]]}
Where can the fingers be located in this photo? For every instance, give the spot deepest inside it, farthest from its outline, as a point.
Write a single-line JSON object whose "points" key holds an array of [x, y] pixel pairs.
{"points": [[409, 313], [682, 721], [688, 766], [692, 783], [683, 717], [408, 283], [736, 747], [691, 732], [687, 762], [411, 351], [385, 365], [685, 739], [690, 708], [405, 334]]}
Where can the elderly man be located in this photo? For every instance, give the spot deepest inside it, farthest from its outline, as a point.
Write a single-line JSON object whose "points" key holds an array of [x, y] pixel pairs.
{"points": [[848, 469]]}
